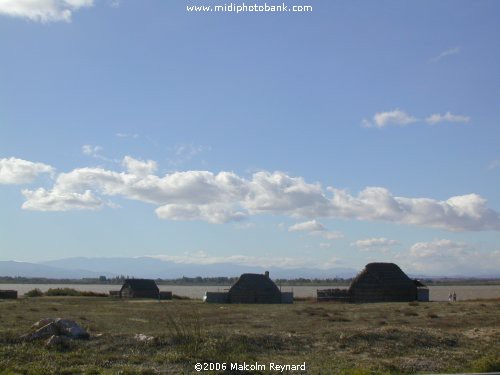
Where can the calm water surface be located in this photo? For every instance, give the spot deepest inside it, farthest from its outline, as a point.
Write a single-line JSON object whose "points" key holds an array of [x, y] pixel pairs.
{"points": [[437, 293]]}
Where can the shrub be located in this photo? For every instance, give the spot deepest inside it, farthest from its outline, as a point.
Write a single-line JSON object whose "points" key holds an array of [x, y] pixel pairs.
{"points": [[73, 292], [488, 363], [34, 293], [62, 292], [92, 294]]}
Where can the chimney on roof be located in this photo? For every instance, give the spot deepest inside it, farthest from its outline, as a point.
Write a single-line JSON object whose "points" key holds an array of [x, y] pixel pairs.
{"points": [[267, 274]]}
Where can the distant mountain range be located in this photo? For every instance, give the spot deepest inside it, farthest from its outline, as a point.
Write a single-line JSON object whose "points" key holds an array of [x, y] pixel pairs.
{"points": [[147, 267]]}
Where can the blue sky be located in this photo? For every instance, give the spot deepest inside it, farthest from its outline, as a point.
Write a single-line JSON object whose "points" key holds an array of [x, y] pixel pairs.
{"points": [[359, 131]]}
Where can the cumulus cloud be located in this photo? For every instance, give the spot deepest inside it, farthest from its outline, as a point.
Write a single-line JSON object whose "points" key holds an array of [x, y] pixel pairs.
{"points": [[446, 257], [139, 167], [374, 242], [19, 171], [459, 213], [383, 119], [225, 196], [57, 200], [446, 53], [212, 213], [447, 117], [43, 10]]}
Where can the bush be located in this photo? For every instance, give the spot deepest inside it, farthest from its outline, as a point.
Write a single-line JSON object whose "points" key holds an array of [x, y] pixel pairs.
{"points": [[62, 292], [34, 293], [489, 363], [73, 293], [92, 294]]}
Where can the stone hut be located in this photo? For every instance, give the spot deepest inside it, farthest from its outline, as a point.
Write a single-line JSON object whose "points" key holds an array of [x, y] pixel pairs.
{"points": [[251, 288], [139, 288], [378, 282]]}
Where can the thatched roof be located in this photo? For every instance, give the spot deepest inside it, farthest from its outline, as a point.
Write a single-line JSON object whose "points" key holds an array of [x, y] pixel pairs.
{"points": [[254, 288], [382, 282], [386, 273], [141, 284]]}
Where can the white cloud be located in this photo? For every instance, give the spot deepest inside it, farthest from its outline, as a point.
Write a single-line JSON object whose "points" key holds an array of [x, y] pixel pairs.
{"points": [[57, 200], [90, 150], [19, 171], [397, 117], [315, 228], [127, 135], [225, 196], [374, 242], [212, 213], [383, 119], [446, 53], [307, 226], [446, 257], [43, 10], [447, 117], [139, 167], [465, 212]]}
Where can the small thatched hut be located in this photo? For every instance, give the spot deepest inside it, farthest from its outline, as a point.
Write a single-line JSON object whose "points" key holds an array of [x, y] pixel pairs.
{"points": [[8, 294], [378, 282], [139, 288]]}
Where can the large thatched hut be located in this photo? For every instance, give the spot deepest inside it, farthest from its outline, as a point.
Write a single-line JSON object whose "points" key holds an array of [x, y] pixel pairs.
{"points": [[254, 288], [251, 288], [378, 282], [139, 288], [382, 282]]}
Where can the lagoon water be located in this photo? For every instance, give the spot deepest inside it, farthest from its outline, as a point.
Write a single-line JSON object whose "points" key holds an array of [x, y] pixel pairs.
{"points": [[437, 293]]}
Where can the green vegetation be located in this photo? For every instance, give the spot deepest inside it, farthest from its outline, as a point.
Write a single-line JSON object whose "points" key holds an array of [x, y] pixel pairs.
{"points": [[379, 338], [63, 292], [34, 293], [73, 292], [488, 363]]}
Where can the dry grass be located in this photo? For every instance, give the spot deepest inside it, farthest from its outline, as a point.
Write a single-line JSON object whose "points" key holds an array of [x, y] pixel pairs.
{"points": [[330, 338]]}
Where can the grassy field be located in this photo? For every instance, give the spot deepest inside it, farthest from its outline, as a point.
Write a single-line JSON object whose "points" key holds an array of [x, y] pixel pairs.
{"points": [[331, 338]]}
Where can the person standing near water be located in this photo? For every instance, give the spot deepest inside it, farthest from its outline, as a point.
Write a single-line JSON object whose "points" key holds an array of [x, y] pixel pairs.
{"points": [[450, 296], [454, 297]]}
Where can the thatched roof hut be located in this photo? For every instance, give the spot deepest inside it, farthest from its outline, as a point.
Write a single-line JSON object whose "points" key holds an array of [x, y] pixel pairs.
{"points": [[8, 294], [380, 282], [254, 288], [139, 288]]}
